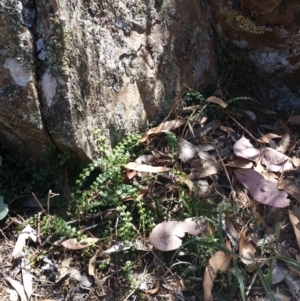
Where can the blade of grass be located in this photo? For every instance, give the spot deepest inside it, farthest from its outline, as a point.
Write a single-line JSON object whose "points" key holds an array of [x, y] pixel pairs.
{"points": [[235, 283], [265, 284], [233, 289], [213, 245], [239, 279], [263, 245], [270, 271], [290, 261], [277, 235], [220, 221]]}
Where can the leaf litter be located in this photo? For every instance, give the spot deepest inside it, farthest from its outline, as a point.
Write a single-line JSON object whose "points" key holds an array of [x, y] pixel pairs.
{"points": [[216, 162]]}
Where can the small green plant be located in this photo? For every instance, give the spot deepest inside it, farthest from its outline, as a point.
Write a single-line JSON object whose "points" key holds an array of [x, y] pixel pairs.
{"points": [[193, 98], [214, 111], [172, 142], [107, 187], [128, 274]]}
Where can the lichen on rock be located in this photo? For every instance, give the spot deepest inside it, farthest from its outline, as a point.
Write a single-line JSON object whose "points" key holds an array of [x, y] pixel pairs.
{"points": [[113, 65]]}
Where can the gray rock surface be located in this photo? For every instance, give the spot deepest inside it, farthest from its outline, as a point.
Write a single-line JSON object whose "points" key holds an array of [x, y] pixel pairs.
{"points": [[68, 67], [268, 32]]}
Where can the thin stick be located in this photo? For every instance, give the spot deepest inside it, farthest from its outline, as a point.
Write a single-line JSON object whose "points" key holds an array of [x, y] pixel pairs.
{"points": [[254, 277], [39, 203], [48, 201], [50, 195], [223, 165], [244, 129], [107, 214], [38, 235]]}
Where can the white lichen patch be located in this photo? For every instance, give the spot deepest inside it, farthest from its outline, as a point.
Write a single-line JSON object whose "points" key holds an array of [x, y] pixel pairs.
{"points": [[48, 84], [20, 76]]}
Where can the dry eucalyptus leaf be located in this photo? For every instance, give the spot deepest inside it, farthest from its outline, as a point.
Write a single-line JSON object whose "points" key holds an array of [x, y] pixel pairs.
{"points": [[268, 137], [216, 100], [291, 189], [206, 156], [186, 150], [166, 236], [191, 128], [243, 148], [218, 262], [246, 249], [144, 159], [27, 283], [231, 229], [275, 161], [146, 168], [294, 119], [92, 264], [293, 282], [284, 143], [268, 175], [13, 295], [205, 148], [250, 114], [82, 279], [18, 287], [279, 272], [194, 226], [262, 190], [238, 162], [296, 161], [189, 184], [26, 233], [165, 126], [64, 266], [155, 289], [207, 168], [73, 244], [294, 215]]}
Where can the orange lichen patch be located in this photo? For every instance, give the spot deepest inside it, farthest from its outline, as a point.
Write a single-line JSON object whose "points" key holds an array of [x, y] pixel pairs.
{"points": [[248, 25]]}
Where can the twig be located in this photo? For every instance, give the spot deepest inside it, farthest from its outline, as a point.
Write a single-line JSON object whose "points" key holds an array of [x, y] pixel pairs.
{"points": [[254, 277], [116, 233], [261, 220], [107, 214], [36, 199], [224, 167], [93, 226], [244, 129], [48, 202], [50, 195], [38, 232], [82, 230], [159, 152], [3, 234], [131, 293], [47, 239]]}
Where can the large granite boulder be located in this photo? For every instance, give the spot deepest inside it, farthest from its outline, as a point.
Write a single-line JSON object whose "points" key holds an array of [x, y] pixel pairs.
{"points": [[265, 48], [68, 67]]}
